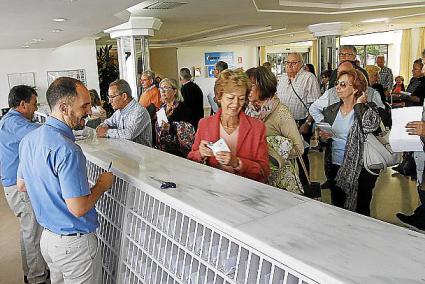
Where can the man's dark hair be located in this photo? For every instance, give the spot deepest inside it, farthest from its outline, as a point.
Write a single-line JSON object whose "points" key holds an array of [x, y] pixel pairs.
{"points": [[326, 74], [185, 73], [221, 66], [20, 93], [62, 88], [122, 87]]}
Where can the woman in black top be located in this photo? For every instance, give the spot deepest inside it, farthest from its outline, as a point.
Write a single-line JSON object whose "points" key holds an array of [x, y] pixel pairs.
{"points": [[175, 136]]}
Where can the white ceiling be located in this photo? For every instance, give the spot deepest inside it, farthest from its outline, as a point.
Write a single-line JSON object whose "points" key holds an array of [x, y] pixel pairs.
{"points": [[200, 22]]}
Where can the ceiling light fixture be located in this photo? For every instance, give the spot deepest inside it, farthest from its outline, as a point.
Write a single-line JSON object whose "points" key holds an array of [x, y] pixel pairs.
{"points": [[56, 31], [25, 46], [375, 20], [290, 35], [59, 19]]}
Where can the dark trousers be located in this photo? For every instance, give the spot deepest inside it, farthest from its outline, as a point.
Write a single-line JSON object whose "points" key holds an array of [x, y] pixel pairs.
{"points": [[307, 138], [366, 183]]}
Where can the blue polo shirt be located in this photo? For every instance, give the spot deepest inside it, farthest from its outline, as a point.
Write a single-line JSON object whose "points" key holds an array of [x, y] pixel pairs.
{"points": [[13, 127], [54, 169]]}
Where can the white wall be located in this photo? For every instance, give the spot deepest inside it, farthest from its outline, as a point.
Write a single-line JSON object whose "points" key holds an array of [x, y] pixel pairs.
{"points": [[393, 39], [80, 54]]}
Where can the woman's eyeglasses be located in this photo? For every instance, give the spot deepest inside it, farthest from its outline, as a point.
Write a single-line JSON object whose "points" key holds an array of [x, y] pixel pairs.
{"points": [[165, 89], [342, 84]]}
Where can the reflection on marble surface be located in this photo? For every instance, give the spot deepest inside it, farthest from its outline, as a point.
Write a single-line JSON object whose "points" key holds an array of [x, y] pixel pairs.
{"points": [[325, 243]]}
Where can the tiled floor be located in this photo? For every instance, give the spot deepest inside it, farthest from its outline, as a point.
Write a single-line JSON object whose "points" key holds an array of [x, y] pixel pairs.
{"points": [[391, 195]]}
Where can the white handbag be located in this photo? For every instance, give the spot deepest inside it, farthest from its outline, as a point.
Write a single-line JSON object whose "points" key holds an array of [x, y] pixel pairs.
{"points": [[377, 153]]}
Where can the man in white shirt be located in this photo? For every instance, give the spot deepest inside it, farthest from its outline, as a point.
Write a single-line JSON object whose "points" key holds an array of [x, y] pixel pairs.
{"points": [[130, 120], [298, 89]]}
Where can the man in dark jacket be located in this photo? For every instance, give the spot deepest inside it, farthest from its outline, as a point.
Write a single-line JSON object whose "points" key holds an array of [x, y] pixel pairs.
{"points": [[193, 97]]}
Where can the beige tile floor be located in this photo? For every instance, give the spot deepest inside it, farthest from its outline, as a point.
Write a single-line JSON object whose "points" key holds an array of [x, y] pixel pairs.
{"points": [[391, 195]]}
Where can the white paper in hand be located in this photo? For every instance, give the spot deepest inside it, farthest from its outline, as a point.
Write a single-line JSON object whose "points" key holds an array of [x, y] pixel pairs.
{"points": [[399, 139], [219, 146], [161, 116]]}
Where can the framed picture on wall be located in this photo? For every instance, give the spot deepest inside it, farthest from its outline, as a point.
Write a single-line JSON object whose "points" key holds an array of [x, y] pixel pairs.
{"points": [[16, 79], [79, 74]]}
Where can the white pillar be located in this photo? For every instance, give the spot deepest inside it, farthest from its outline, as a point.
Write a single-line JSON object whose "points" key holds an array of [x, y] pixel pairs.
{"points": [[133, 47], [328, 37]]}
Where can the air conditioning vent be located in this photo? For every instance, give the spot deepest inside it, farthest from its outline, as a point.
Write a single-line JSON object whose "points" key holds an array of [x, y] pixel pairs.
{"points": [[166, 5]]}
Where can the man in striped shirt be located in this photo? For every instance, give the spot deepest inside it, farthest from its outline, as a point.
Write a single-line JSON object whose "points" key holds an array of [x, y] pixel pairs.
{"points": [[298, 89], [385, 75]]}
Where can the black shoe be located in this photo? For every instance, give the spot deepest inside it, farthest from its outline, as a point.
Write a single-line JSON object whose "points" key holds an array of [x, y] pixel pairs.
{"points": [[25, 279], [411, 221]]}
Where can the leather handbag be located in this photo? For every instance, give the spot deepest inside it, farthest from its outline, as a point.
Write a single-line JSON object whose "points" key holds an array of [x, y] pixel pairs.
{"points": [[377, 152]]}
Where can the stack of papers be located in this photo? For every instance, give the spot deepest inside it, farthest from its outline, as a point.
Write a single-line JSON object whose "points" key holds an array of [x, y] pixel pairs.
{"points": [[399, 139]]}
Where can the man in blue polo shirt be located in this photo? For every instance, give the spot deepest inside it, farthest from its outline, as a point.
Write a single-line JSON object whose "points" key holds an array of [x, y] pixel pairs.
{"points": [[52, 169], [13, 127]]}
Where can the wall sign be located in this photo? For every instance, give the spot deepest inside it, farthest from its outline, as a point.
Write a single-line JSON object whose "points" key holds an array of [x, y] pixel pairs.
{"points": [[16, 79], [79, 74], [211, 58]]}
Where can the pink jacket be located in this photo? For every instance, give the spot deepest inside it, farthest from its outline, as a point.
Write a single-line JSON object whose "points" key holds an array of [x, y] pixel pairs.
{"points": [[252, 147]]}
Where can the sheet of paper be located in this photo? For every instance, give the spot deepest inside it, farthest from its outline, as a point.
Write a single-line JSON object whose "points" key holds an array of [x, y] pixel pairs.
{"points": [[399, 139], [326, 127], [161, 116], [219, 146]]}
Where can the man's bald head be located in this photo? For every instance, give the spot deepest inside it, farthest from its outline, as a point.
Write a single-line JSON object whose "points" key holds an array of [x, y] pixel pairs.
{"points": [[345, 66]]}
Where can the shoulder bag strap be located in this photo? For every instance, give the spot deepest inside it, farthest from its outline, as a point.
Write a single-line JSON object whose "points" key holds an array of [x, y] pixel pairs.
{"points": [[293, 89]]}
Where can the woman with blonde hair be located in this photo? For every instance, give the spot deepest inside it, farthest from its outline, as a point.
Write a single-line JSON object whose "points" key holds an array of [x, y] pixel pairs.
{"points": [[175, 136], [244, 136]]}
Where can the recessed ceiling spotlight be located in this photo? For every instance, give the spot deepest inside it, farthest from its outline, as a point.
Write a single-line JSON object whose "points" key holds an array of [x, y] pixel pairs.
{"points": [[25, 46], [56, 31], [358, 25], [290, 35], [375, 20], [59, 20]]}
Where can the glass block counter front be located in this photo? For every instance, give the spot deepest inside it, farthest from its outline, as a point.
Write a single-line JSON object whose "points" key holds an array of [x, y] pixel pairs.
{"points": [[219, 228]]}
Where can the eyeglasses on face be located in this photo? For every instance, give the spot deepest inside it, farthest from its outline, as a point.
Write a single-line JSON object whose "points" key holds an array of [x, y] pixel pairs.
{"points": [[345, 54], [114, 96], [342, 84], [165, 89], [292, 62]]}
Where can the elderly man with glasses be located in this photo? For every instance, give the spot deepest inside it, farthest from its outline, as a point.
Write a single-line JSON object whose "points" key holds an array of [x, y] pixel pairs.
{"points": [[298, 89], [346, 53], [130, 120]]}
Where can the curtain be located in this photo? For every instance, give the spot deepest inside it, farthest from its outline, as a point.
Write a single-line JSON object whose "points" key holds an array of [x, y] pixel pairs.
{"points": [[314, 58], [421, 46], [406, 56], [262, 55]]}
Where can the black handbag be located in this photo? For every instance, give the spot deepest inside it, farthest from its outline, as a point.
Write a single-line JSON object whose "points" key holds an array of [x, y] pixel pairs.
{"points": [[312, 188]]}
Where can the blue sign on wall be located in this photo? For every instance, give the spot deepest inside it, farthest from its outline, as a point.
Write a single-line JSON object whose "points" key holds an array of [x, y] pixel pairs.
{"points": [[211, 58], [211, 71]]}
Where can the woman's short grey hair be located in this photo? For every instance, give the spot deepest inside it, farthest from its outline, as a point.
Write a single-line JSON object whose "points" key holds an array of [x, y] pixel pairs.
{"points": [[172, 83], [150, 74]]}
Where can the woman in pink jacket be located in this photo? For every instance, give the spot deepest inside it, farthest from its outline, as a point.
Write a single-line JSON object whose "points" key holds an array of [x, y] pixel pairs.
{"points": [[244, 136]]}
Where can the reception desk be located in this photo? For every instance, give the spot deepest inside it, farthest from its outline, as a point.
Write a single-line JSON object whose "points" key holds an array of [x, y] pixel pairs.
{"points": [[216, 227]]}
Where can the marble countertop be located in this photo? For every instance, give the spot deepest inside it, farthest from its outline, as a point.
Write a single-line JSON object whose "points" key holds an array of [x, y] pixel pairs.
{"points": [[325, 243]]}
